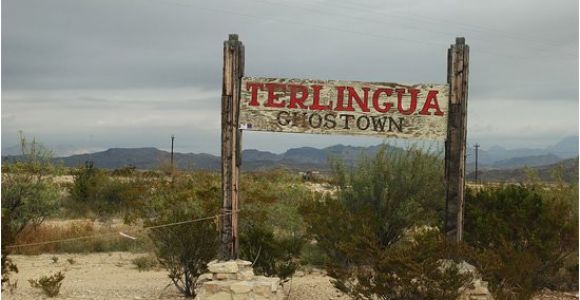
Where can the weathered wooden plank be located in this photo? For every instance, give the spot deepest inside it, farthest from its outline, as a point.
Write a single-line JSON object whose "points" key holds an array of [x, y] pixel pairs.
{"points": [[230, 150], [455, 144], [344, 107]]}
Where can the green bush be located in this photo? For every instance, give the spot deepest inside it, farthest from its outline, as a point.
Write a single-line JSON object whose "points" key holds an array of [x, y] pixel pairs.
{"points": [[522, 237], [28, 198], [185, 249], [271, 229], [94, 192], [272, 256], [50, 285], [144, 263], [362, 230]]}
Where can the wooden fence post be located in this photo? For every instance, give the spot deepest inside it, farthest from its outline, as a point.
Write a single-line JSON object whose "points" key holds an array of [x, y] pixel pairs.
{"points": [[233, 71], [457, 76]]}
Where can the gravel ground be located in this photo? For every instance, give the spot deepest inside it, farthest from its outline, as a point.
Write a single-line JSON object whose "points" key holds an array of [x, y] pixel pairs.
{"points": [[113, 276], [92, 276]]}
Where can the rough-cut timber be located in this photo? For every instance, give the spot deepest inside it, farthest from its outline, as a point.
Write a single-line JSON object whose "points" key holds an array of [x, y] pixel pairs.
{"points": [[233, 71], [344, 107], [458, 71]]}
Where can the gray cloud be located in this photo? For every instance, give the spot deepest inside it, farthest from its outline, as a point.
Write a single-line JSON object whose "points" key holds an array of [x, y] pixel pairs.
{"points": [[130, 72]]}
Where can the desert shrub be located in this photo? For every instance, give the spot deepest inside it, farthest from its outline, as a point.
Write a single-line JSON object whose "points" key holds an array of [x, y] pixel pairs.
{"points": [[95, 193], [313, 255], [361, 231], [106, 239], [125, 171], [522, 237], [271, 229], [88, 182], [50, 285], [401, 188], [408, 270], [27, 198], [272, 256], [184, 249], [144, 263]]}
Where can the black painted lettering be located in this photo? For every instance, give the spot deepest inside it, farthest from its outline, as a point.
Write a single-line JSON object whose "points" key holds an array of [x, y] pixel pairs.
{"points": [[366, 122], [282, 118], [399, 126], [315, 122], [329, 119], [346, 119], [379, 123]]}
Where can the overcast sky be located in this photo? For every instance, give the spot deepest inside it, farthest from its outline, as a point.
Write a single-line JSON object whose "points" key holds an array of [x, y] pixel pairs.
{"points": [[95, 74]]}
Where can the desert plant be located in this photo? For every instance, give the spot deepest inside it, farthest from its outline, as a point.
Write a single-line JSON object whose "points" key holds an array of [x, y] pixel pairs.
{"points": [[522, 236], [97, 193], [144, 263], [71, 260], [106, 239], [88, 182], [183, 249], [271, 229], [50, 285], [362, 229], [28, 197], [271, 255]]}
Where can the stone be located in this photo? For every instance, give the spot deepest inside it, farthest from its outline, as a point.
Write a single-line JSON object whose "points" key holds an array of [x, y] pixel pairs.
{"points": [[213, 287], [263, 288], [272, 281], [224, 276], [299, 274], [478, 292], [242, 297], [245, 275], [243, 263], [205, 277], [280, 294], [241, 287], [223, 267], [220, 296]]}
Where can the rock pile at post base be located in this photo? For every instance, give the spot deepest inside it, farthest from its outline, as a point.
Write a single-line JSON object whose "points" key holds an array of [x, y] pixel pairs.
{"points": [[479, 289], [235, 280]]}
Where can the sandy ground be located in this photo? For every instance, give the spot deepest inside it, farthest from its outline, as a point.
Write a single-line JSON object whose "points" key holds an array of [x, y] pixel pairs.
{"points": [[113, 276]]}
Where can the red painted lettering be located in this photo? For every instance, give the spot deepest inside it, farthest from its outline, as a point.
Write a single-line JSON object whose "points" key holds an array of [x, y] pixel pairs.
{"points": [[362, 103], [340, 98], [272, 96], [316, 99], [294, 99], [376, 96], [254, 87], [412, 105], [431, 103]]}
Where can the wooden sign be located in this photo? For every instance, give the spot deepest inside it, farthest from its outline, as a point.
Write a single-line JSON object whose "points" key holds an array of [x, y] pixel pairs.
{"points": [[433, 111], [344, 107]]}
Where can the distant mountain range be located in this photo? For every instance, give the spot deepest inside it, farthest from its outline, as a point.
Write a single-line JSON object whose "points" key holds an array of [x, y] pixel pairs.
{"points": [[568, 169], [308, 158], [304, 158], [498, 157]]}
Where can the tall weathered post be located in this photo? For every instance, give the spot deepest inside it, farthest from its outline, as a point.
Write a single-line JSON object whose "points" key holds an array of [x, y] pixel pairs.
{"points": [[455, 153], [233, 71]]}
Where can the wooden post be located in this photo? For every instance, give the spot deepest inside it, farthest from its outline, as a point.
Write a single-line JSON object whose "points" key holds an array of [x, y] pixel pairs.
{"points": [[457, 76], [233, 71]]}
